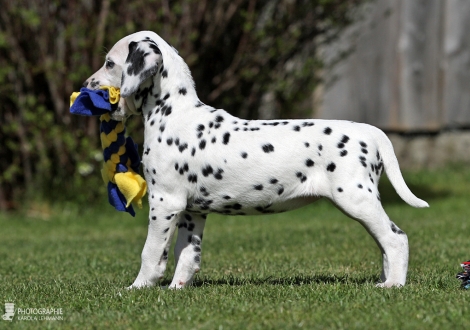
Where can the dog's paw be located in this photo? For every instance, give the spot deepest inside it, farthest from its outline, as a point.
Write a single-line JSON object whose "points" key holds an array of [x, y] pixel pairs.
{"points": [[140, 285], [389, 285], [177, 285]]}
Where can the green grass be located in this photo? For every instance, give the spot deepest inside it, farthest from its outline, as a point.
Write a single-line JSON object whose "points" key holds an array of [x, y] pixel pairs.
{"points": [[313, 268]]}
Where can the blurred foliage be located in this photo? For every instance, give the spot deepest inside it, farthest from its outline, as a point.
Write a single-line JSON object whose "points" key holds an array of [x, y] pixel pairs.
{"points": [[252, 58]]}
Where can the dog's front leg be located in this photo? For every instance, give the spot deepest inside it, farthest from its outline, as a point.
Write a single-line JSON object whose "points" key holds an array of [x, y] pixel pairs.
{"points": [[188, 249], [155, 253]]}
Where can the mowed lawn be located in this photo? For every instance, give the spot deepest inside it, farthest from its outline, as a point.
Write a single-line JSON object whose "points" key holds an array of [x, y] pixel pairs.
{"points": [[313, 268]]}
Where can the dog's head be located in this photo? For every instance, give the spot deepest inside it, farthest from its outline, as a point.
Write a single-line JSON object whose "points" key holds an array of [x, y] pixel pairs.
{"points": [[130, 62]]}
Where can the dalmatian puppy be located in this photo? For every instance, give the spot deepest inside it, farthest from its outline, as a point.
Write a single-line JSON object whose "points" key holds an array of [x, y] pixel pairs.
{"points": [[199, 160]]}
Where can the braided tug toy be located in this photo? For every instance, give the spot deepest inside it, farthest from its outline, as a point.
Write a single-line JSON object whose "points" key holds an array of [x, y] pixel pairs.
{"points": [[465, 275], [121, 158]]}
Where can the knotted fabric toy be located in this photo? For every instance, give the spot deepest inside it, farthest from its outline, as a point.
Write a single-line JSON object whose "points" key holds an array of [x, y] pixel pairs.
{"points": [[465, 275], [121, 158]]}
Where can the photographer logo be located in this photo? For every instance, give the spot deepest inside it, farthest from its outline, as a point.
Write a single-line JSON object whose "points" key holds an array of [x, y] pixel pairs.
{"points": [[9, 312], [32, 314]]}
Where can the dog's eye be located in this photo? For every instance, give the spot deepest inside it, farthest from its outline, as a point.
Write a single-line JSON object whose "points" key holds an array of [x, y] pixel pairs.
{"points": [[109, 64]]}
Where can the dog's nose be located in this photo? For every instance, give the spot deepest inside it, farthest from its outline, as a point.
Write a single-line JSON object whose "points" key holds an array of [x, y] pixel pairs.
{"points": [[85, 84]]}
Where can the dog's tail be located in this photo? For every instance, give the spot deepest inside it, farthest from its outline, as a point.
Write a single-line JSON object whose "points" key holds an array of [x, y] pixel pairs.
{"points": [[392, 169]]}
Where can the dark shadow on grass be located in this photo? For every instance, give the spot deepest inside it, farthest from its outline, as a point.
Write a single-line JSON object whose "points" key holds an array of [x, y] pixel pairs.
{"points": [[389, 196], [286, 281]]}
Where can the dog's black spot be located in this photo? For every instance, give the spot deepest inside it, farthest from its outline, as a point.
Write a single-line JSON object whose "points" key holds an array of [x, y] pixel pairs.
{"points": [[204, 191], [307, 144], [207, 170], [244, 155], [226, 197], [331, 167], [193, 152], [192, 178], [359, 186], [182, 91], [136, 58], [362, 159], [155, 49], [280, 190], [301, 176], [167, 111], [226, 138], [340, 189], [176, 166], [183, 147], [340, 145], [396, 230], [191, 226], [188, 217], [169, 141], [343, 153], [364, 151], [218, 175], [167, 95], [154, 218], [309, 162], [200, 127], [162, 127], [219, 119], [296, 128], [258, 187], [327, 131], [320, 147], [166, 230], [214, 140], [267, 148], [202, 144], [273, 181], [345, 139], [199, 104], [363, 144], [152, 122]]}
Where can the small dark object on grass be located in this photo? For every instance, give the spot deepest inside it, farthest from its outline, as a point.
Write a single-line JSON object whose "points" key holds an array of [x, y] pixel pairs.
{"points": [[465, 275]]}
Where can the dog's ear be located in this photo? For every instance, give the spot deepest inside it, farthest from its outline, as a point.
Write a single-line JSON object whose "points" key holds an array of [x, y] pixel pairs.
{"points": [[142, 62]]}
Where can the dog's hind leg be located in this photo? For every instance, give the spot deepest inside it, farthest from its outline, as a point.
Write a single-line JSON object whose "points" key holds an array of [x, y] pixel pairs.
{"points": [[188, 249], [161, 227], [365, 207]]}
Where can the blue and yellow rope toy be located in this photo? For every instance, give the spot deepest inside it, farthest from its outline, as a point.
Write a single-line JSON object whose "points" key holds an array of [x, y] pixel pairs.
{"points": [[121, 158]]}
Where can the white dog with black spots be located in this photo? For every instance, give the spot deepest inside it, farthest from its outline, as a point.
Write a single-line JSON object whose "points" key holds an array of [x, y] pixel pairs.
{"points": [[199, 160]]}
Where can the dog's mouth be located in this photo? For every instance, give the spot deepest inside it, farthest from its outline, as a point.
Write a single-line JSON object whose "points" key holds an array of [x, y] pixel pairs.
{"points": [[124, 109]]}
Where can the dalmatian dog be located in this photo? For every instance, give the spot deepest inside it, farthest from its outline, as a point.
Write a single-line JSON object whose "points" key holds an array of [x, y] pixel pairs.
{"points": [[199, 160]]}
